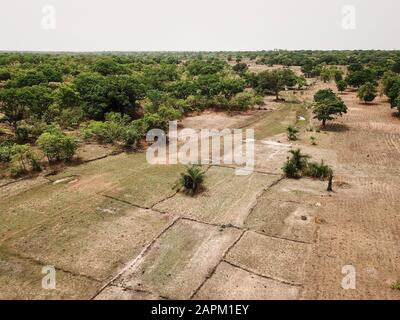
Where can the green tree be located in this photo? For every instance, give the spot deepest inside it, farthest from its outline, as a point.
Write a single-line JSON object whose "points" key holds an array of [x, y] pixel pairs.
{"points": [[360, 77], [299, 159], [182, 89], [101, 95], [341, 85], [57, 146], [12, 109], [294, 166], [367, 92], [106, 66], [51, 72], [326, 74], [30, 78], [391, 87], [23, 159], [37, 99], [66, 95], [4, 74], [274, 81], [230, 87], [240, 68], [327, 106]]}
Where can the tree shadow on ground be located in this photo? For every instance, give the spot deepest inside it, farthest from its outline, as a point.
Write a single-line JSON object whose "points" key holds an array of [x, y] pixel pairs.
{"points": [[335, 127], [369, 104], [396, 114]]}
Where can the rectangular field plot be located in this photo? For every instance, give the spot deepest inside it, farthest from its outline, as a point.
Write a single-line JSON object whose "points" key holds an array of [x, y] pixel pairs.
{"points": [[284, 219], [27, 210], [94, 238], [228, 198], [180, 260], [231, 283], [127, 177], [279, 259], [148, 186], [22, 279]]}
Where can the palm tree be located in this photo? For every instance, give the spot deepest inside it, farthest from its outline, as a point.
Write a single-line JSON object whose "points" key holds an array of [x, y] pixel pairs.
{"points": [[299, 159], [292, 133], [191, 180]]}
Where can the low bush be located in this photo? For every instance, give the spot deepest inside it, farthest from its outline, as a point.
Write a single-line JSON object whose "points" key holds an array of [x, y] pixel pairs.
{"points": [[291, 171], [57, 146], [244, 100], [298, 165], [191, 180], [395, 285], [5, 152], [318, 170], [70, 117], [23, 160], [292, 133]]}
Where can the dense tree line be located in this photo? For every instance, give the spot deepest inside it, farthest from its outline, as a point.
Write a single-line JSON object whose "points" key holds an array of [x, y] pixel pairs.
{"points": [[116, 98]]}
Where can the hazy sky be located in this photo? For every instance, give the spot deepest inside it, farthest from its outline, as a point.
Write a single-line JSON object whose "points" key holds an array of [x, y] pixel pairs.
{"points": [[139, 25]]}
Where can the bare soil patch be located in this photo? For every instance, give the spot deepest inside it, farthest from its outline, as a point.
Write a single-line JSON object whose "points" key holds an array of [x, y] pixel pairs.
{"points": [[180, 260], [21, 279], [275, 258], [94, 240], [229, 282]]}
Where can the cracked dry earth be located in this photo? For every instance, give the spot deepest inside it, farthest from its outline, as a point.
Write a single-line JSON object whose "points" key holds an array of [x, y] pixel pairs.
{"points": [[115, 228]]}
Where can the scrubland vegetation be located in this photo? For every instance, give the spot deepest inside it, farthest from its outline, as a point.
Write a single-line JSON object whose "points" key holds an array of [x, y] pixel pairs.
{"points": [[50, 102]]}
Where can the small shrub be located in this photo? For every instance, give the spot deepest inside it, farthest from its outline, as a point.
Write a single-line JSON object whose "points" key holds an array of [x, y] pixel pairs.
{"points": [[292, 133], [105, 132], [21, 134], [70, 117], [298, 166], [313, 140], [191, 180], [299, 159], [244, 100], [5, 153], [131, 135], [290, 170], [295, 165], [23, 160], [57, 146], [169, 113], [318, 170], [395, 285]]}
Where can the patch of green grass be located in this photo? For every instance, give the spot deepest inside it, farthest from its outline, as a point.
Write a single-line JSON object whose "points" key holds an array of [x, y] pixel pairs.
{"points": [[395, 285], [275, 122]]}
